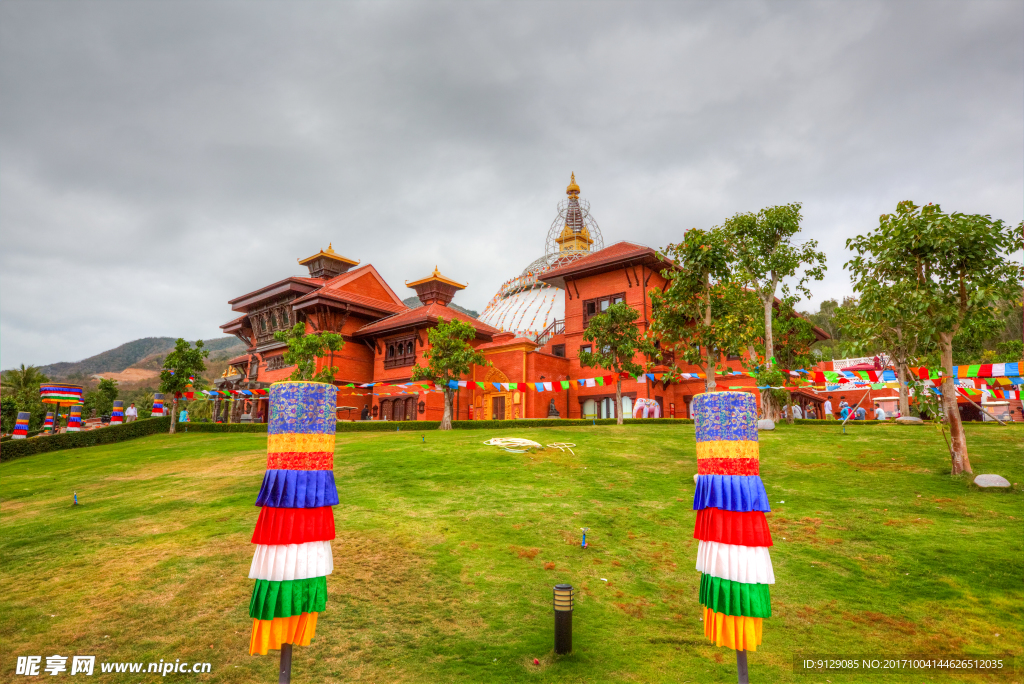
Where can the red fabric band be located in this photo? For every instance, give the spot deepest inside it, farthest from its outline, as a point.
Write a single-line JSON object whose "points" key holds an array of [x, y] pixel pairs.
{"points": [[294, 525], [731, 527]]}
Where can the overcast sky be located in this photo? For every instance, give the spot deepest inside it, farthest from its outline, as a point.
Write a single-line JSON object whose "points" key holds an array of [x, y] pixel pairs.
{"points": [[160, 158]]}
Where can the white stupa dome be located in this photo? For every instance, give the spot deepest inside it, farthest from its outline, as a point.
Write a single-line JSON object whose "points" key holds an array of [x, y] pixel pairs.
{"points": [[524, 305]]}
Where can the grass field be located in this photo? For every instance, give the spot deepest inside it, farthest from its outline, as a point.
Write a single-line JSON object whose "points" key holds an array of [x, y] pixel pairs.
{"points": [[447, 551]]}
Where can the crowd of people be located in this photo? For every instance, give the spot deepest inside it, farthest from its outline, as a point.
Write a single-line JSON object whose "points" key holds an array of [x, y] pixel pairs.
{"points": [[843, 412]]}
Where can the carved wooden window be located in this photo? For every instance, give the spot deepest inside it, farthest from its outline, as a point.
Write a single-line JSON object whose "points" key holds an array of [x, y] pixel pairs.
{"points": [[400, 352], [275, 362], [558, 350], [593, 307]]}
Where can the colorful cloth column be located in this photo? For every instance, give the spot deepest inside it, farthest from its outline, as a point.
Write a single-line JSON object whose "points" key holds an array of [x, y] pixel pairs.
{"points": [[731, 501], [61, 393], [48, 422], [21, 425], [75, 419], [158, 405], [296, 523], [117, 415]]}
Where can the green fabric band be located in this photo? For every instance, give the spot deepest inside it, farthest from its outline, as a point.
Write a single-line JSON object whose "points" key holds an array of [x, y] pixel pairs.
{"points": [[284, 599], [735, 598]]}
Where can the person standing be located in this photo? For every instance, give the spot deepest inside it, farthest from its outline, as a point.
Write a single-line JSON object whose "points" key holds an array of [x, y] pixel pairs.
{"points": [[860, 414], [844, 412], [879, 413], [798, 413], [183, 416], [131, 413], [365, 413], [826, 410]]}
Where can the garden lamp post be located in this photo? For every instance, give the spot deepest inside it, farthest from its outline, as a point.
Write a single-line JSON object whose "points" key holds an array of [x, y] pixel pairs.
{"points": [[563, 618]]}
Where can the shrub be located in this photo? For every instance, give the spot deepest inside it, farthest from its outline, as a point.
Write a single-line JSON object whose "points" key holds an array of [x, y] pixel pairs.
{"points": [[74, 440], [150, 426]]}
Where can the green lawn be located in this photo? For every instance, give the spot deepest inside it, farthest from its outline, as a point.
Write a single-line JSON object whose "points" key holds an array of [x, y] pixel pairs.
{"points": [[447, 551]]}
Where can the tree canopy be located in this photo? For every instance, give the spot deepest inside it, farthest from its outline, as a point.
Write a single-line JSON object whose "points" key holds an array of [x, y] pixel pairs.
{"points": [[304, 350], [950, 270], [182, 372], [705, 311], [617, 342], [450, 357], [766, 256]]}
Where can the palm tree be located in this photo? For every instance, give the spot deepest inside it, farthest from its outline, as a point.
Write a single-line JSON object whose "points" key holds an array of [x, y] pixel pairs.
{"points": [[23, 383]]}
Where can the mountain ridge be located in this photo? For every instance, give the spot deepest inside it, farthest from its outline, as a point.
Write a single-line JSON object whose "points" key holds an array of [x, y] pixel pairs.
{"points": [[131, 353]]}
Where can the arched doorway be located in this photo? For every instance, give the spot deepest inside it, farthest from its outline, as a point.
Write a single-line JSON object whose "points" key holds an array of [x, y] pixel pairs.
{"points": [[497, 404]]}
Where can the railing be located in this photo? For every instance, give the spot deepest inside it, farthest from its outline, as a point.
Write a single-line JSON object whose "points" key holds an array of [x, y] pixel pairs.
{"points": [[557, 327]]}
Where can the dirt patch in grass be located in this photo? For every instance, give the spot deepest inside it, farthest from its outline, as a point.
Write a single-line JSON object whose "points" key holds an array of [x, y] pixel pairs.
{"points": [[528, 554]]}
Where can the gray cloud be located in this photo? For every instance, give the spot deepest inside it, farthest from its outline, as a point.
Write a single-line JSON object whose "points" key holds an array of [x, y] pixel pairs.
{"points": [[159, 159]]}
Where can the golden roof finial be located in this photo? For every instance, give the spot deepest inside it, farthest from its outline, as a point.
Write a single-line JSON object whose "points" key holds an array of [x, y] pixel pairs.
{"points": [[573, 189]]}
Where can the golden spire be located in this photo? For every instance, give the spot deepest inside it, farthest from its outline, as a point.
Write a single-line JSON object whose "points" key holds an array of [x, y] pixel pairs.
{"points": [[573, 190]]}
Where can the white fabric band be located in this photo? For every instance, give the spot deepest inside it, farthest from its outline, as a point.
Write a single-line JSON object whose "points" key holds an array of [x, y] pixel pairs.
{"points": [[749, 564], [279, 562]]}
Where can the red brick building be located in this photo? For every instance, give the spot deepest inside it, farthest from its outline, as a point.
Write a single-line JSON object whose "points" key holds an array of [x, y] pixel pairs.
{"points": [[531, 331]]}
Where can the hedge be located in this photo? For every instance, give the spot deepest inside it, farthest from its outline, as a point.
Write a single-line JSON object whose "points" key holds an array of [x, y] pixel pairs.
{"points": [[398, 425], [74, 440]]}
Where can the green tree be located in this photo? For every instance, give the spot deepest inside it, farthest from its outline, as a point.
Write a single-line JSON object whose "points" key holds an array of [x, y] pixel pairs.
{"points": [[829, 318], [8, 414], [884, 319], [107, 392], [1009, 351], [617, 341], [957, 267], [704, 311], [182, 372], [304, 350], [449, 358], [22, 384], [766, 256]]}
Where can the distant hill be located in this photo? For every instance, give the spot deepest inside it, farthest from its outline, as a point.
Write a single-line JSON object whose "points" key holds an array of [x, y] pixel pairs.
{"points": [[150, 350], [414, 302]]}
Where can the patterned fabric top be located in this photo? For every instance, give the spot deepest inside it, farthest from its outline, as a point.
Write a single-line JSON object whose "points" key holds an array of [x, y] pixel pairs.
{"points": [[303, 408], [725, 416]]}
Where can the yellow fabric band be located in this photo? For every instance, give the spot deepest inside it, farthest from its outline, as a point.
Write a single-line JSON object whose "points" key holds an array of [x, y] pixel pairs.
{"points": [[270, 634], [727, 449], [298, 443], [737, 632]]}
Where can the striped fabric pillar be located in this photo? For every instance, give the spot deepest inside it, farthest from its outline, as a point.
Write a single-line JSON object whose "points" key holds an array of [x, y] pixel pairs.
{"points": [[75, 419], [158, 405], [731, 501], [117, 415], [48, 422], [296, 523], [21, 425]]}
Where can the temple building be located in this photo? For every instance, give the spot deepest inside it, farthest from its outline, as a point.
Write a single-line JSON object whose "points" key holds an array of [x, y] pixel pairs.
{"points": [[531, 331]]}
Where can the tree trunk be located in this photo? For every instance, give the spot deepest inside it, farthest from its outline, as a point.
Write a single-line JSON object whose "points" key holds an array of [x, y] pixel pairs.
{"points": [[901, 370], [709, 370], [618, 400], [789, 407], [769, 343], [446, 419], [958, 441], [712, 364], [174, 413]]}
